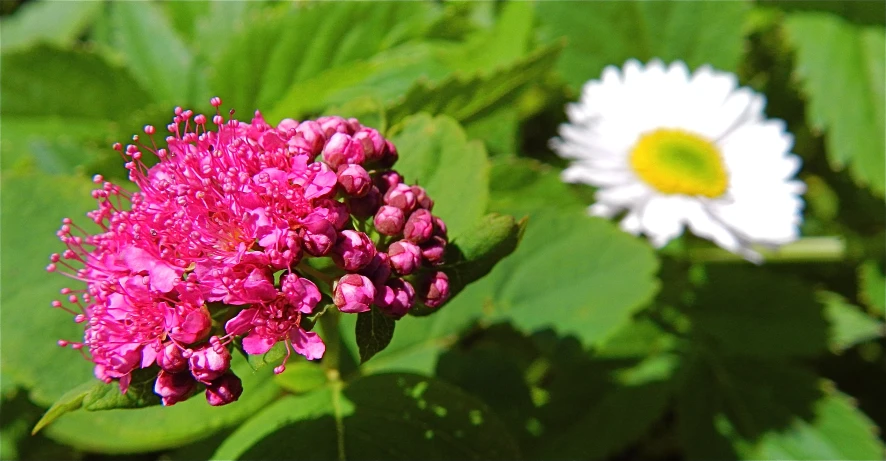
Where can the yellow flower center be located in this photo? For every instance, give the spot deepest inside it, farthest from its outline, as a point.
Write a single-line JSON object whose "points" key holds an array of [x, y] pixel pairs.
{"points": [[678, 162]]}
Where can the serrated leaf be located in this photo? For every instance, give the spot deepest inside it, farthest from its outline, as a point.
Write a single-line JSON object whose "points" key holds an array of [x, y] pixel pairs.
{"points": [[158, 428], [839, 62], [463, 98], [58, 23], [474, 253], [140, 393], [152, 49], [423, 419], [609, 33], [849, 325], [374, 331]]}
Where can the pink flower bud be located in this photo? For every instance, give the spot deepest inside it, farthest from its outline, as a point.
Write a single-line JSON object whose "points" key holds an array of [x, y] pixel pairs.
{"points": [[300, 292], [171, 359], [373, 144], [422, 199], [405, 256], [401, 196], [354, 180], [309, 137], [318, 236], [387, 180], [341, 149], [209, 362], [378, 270], [389, 220], [435, 290], [173, 387], [365, 206], [353, 250], [224, 390], [440, 228], [433, 250], [353, 293], [419, 227], [396, 298], [334, 124], [390, 156], [334, 211]]}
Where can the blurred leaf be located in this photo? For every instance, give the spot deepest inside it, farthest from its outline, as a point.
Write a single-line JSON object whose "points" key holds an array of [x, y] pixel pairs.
{"points": [[849, 324], [858, 11], [32, 209], [462, 98], [263, 61], [301, 376], [374, 331], [435, 153], [609, 33], [521, 186], [753, 312], [393, 416], [838, 62], [153, 51], [498, 129], [872, 284], [576, 274], [57, 23], [158, 428]]}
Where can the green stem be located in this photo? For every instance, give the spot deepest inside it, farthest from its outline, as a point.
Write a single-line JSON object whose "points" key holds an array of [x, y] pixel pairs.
{"points": [[331, 336], [809, 249]]}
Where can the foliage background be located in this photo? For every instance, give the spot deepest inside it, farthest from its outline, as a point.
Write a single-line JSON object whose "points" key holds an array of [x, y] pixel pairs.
{"points": [[585, 343]]}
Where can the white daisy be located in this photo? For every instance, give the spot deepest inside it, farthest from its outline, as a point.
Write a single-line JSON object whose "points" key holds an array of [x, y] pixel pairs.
{"points": [[672, 149]]}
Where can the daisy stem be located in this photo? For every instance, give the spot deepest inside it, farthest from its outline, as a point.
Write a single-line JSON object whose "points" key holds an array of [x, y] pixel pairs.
{"points": [[808, 249], [331, 336]]}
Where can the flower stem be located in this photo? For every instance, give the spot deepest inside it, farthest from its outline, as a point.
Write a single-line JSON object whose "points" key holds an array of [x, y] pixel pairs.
{"points": [[809, 249], [329, 323]]}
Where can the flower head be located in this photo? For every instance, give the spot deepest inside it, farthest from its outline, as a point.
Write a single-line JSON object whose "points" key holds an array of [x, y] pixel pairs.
{"points": [[670, 149]]}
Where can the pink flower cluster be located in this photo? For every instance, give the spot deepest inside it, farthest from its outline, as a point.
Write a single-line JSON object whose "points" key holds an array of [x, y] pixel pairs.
{"points": [[213, 249]]}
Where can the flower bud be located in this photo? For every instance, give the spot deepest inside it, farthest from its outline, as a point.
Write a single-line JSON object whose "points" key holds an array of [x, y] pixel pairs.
{"points": [[341, 149], [373, 144], [334, 124], [405, 256], [390, 156], [354, 180], [389, 220], [171, 359], [353, 293], [209, 361], [401, 196], [365, 206], [334, 211], [419, 227], [421, 198], [387, 180], [318, 236], [378, 270], [173, 387], [433, 250], [353, 250], [434, 291], [396, 298], [440, 228], [309, 137], [224, 389]]}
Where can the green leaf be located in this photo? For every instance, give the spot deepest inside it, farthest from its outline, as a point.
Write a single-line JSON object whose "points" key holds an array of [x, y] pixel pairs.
{"points": [[393, 416], [609, 33], [140, 393], [374, 331], [272, 357], [872, 284], [152, 49], [32, 209], [301, 376], [753, 312], [58, 23], [158, 428], [576, 274], [849, 325], [463, 98], [839, 62], [71, 401], [521, 186], [435, 153], [473, 254]]}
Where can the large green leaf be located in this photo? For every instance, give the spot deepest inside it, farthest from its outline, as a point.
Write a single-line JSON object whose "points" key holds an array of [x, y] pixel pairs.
{"points": [[58, 23], [604, 33], [849, 324], [263, 61], [435, 153], [32, 209], [521, 186], [157, 427], [392, 416], [152, 49], [842, 68]]}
